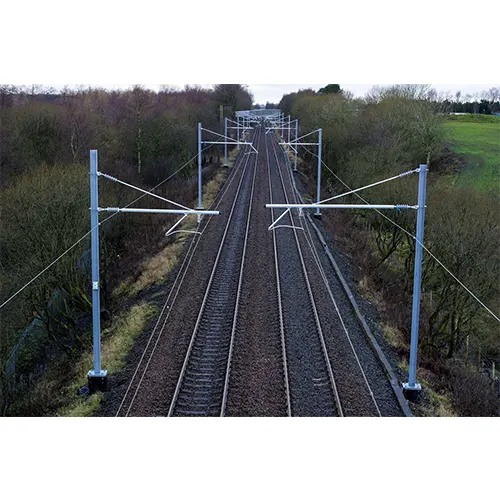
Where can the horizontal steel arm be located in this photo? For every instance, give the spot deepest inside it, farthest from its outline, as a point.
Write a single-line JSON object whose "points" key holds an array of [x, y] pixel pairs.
{"points": [[339, 205], [159, 211]]}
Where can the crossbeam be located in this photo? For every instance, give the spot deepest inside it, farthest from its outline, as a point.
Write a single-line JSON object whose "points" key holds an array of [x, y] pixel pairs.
{"points": [[159, 211], [338, 205], [299, 143]]}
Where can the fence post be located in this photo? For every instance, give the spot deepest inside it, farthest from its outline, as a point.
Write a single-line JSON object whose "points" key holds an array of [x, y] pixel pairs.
{"points": [[411, 388], [97, 377]]}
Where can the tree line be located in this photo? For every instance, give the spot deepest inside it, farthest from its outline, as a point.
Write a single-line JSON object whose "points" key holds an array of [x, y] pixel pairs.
{"points": [[142, 136]]}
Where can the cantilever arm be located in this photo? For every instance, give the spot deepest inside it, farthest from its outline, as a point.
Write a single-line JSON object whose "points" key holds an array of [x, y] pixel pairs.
{"points": [[176, 224], [278, 219]]}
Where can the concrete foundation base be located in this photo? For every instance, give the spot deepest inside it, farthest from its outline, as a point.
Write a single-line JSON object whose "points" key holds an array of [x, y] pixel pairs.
{"points": [[97, 382], [412, 393]]}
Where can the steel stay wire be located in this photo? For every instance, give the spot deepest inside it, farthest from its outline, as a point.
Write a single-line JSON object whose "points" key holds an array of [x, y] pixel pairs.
{"points": [[413, 237]]}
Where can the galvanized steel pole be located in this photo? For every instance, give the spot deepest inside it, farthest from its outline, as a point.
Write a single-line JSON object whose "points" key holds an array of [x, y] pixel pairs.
{"points": [[200, 206], [296, 147], [289, 124], [412, 388], [225, 145], [317, 215], [238, 130], [97, 376]]}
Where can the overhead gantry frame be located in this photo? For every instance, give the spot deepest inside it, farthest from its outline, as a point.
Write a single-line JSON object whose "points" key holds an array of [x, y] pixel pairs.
{"points": [[97, 377], [410, 388]]}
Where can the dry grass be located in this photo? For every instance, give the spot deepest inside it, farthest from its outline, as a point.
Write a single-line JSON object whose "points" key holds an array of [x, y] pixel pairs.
{"points": [[442, 405], [213, 186], [56, 392], [156, 269], [116, 344], [370, 293], [394, 337]]}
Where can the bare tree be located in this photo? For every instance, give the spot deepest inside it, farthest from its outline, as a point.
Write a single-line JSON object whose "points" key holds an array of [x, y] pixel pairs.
{"points": [[492, 94], [140, 96]]}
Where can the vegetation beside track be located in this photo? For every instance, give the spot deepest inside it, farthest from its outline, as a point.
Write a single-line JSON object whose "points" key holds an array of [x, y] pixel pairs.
{"points": [[392, 131]]}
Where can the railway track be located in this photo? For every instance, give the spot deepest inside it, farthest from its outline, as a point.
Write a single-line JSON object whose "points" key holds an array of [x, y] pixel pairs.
{"points": [[128, 401], [353, 386], [258, 382], [203, 382], [313, 389]]}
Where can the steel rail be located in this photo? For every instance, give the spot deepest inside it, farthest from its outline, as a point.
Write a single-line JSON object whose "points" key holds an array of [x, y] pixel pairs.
{"points": [[311, 299], [182, 374], [182, 272], [280, 299]]}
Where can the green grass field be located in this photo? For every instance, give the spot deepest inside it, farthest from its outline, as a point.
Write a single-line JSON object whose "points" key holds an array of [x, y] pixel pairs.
{"points": [[480, 142]]}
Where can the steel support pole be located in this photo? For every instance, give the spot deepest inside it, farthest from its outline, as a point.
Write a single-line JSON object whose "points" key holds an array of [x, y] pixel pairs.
{"points": [[238, 131], [317, 215], [296, 147], [412, 388], [200, 205], [289, 124], [97, 376], [225, 145]]}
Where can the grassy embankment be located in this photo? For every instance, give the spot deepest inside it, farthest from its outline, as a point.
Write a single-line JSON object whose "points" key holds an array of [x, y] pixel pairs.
{"points": [[478, 138]]}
